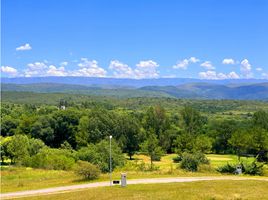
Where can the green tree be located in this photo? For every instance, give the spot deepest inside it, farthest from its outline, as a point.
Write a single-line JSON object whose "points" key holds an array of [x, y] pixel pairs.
{"points": [[221, 131], [260, 119], [99, 154], [128, 134], [240, 141], [151, 148], [184, 143], [202, 144], [35, 145], [18, 148], [192, 120], [98, 125], [66, 123], [8, 126], [42, 129]]}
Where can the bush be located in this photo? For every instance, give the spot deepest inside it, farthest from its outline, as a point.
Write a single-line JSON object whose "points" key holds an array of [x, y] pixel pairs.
{"points": [[252, 168], [247, 168], [99, 155], [228, 168], [156, 157], [189, 162], [49, 158], [177, 159], [202, 159], [87, 170]]}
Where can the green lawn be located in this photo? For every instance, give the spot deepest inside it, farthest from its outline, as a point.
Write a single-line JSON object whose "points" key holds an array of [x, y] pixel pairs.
{"points": [[21, 178], [207, 190]]}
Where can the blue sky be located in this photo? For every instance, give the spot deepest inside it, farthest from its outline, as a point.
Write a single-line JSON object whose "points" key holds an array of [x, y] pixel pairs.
{"points": [[135, 38]]}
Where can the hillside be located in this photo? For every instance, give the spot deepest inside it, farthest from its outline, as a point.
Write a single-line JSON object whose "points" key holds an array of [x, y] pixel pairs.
{"points": [[198, 90]]}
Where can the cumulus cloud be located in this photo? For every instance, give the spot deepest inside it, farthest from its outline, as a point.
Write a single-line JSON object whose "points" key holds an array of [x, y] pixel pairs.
{"points": [[38, 69], [228, 61], [89, 68], [121, 70], [194, 60], [213, 75], [146, 69], [9, 70], [64, 63], [54, 71], [207, 65], [264, 75], [35, 69], [259, 69], [246, 69], [24, 47], [183, 64]]}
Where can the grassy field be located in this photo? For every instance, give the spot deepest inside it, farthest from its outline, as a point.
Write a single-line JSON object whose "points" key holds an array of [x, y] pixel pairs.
{"points": [[207, 190], [21, 178]]}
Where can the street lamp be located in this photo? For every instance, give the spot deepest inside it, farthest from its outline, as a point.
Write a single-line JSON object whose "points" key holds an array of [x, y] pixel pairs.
{"points": [[111, 160]]}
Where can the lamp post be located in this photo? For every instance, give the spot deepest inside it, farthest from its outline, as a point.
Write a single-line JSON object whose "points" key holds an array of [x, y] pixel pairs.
{"points": [[111, 160]]}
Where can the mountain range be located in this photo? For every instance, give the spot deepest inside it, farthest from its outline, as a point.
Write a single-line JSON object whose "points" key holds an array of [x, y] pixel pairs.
{"points": [[242, 89]]}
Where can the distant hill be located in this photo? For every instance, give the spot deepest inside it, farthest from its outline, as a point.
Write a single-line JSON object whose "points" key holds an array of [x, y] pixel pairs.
{"points": [[124, 82], [198, 90], [214, 91], [119, 92]]}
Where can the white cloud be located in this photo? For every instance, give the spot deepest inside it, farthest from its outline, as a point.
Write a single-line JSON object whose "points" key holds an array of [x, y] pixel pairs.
{"points": [[54, 71], [246, 69], [146, 69], [64, 63], [228, 61], [259, 69], [89, 68], [264, 75], [194, 60], [9, 70], [207, 65], [35, 69], [183, 64], [208, 75], [213, 75], [24, 47], [121, 70], [233, 75], [39, 69]]}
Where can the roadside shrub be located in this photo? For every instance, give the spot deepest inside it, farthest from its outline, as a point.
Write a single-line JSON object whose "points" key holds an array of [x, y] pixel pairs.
{"points": [[189, 162], [252, 168], [228, 168], [87, 170]]}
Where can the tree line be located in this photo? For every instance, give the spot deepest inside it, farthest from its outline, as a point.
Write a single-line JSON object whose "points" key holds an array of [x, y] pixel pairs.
{"points": [[153, 131]]}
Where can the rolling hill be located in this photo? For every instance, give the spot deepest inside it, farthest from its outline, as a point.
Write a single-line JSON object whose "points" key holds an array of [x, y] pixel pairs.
{"points": [[198, 90]]}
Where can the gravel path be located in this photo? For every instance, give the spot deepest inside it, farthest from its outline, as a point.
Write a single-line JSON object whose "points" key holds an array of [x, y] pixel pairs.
{"points": [[26, 193]]}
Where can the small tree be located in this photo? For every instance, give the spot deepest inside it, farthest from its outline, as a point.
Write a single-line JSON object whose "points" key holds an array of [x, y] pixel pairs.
{"points": [[87, 170], [151, 148], [18, 148], [240, 141]]}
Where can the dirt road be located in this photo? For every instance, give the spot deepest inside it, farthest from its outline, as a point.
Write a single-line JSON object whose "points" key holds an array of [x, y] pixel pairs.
{"points": [[53, 190]]}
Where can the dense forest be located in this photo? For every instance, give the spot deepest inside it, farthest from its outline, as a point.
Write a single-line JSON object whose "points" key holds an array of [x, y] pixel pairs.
{"points": [[65, 128]]}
